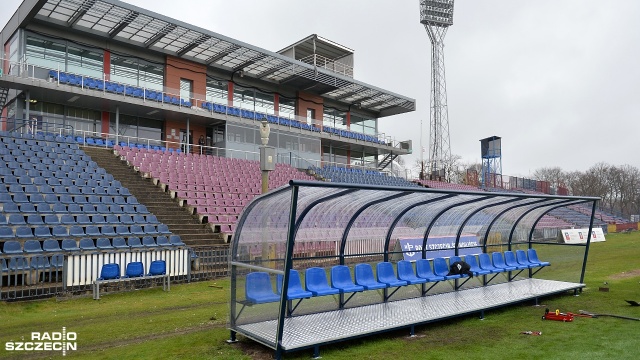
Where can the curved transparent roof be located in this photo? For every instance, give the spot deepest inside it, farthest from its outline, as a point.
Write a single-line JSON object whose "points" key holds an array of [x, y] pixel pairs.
{"points": [[305, 215]]}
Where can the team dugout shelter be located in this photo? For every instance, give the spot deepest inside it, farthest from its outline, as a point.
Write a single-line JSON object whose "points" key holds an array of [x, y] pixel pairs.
{"points": [[314, 263]]}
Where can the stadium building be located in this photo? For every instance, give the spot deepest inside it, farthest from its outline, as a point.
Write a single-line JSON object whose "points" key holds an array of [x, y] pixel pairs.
{"points": [[114, 73]]}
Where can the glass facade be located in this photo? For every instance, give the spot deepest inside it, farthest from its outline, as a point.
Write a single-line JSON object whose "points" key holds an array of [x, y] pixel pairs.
{"points": [[287, 107], [137, 72], [136, 127], [363, 124], [253, 100], [334, 118], [217, 91], [288, 145], [64, 56]]}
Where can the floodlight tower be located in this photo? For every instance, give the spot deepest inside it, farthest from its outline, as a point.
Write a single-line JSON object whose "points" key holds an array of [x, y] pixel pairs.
{"points": [[437, 16]]}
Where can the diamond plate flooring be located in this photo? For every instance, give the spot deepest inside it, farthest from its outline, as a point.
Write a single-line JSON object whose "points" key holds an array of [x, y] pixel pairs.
{"points": [[314, 329]]}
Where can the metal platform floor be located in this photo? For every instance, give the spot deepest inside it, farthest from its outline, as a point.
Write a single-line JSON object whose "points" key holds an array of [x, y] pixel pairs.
{"points": [[315, 329]]}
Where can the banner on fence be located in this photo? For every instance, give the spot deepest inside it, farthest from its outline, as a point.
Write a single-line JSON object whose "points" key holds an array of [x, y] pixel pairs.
{"points": [[579, 236], [443, 246]]}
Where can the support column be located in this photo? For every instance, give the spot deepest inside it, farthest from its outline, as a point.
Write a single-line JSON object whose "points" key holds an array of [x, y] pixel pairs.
{"points": [[117, 123], [276, 104], [188, 146], [230, 93], [27, 104]]}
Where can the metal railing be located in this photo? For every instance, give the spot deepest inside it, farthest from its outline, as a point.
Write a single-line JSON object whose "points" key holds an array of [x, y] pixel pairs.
{"points": [[196, 102], [57, 274]]}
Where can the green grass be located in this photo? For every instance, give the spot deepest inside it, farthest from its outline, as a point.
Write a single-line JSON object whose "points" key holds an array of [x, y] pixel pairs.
{"points": [[189, 322]]}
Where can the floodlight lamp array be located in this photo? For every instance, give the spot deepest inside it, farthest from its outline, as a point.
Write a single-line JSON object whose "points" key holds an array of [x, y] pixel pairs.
{"points": [[436, 12]]}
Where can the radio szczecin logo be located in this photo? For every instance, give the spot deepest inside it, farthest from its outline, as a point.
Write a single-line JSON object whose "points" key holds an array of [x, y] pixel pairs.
{"points": [[46, 341]]}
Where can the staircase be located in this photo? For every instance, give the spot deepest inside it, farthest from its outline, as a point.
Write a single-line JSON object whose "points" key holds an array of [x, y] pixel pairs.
{"points": [[158, 202], [386, 161]]}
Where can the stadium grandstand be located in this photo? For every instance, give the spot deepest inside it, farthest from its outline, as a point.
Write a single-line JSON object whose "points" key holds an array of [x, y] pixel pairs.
{"points": [[181, 107]]}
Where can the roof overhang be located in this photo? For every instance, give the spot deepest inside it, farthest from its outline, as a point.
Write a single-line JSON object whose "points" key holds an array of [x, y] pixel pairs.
{"points": [[114, 20]]}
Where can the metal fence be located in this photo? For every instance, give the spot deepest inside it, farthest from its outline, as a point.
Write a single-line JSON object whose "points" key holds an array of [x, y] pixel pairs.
{"points": [[45, 274]]}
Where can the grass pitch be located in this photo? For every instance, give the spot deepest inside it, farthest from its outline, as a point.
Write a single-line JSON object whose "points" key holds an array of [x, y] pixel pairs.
{"points": [[189, 322]]}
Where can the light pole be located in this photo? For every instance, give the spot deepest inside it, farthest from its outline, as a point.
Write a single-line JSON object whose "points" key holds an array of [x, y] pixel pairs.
{"points": [[267, 155]]}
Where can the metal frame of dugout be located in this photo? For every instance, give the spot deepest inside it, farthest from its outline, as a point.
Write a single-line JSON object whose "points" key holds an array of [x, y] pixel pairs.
{"points": [[320, 225]]}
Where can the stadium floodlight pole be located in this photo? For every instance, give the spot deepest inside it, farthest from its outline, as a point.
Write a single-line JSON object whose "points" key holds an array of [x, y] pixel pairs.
{"points": [[437, 16], [267, 155]]}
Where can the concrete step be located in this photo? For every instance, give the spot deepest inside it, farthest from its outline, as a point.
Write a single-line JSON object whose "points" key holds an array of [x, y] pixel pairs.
{"points": [[157, 201]]}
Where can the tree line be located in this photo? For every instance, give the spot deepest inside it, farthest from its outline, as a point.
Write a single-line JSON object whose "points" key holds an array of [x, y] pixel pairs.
{"points": [[617, 186]]}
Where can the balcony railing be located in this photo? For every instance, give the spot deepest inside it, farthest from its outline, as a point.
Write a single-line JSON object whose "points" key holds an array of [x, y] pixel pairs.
{"points": [[197, 102]]}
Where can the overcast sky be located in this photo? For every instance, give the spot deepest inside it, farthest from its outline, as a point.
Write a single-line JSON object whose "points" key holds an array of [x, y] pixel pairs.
{"points": [[558, 80]]}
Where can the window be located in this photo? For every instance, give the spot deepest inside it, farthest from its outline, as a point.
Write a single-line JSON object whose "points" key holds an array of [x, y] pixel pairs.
{"points": [[84, 62], [137, 72], [186, 89], [217, 91], [311, 115], [287, 107], [334, 118]]}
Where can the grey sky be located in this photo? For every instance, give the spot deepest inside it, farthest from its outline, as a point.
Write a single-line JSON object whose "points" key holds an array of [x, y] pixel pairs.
{"points": [[558, 80]]}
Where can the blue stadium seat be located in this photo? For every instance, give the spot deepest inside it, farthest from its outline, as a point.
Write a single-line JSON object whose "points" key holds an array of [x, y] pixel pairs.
{"points": [[42, 231], [406, 273], [122, 230], [69, 245], [16, 219], [18, 263], [498, 262], [39, 262], [148, 242], [34, 219], [258, 289], [294, 290], [134, 242], [134, 269], [157, 267], [103, 244], [387, 276], [24, 232], [93, 231], [10, 207], [316, 282], [176, 241], [67, 219], [163, 229], [109, 272], [76, 231], [83, 219], [521, 256], [120, 243], [533, 257], [152, 219], [474, 266], [486, 264], [28, 208], [60, 231], [163, 241], [12, 247], [87, 244], [137, 230], [425, 271], [126, 219], [510, 260], [341, 279], [51, 219], [99, 219], [108, 230], [151, 229], [441, 268], [364, 277], [51, 245]]}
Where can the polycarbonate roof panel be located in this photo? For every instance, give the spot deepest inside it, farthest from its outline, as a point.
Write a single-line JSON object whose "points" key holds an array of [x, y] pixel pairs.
{"points": [[347, 212], [117, 20]]}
